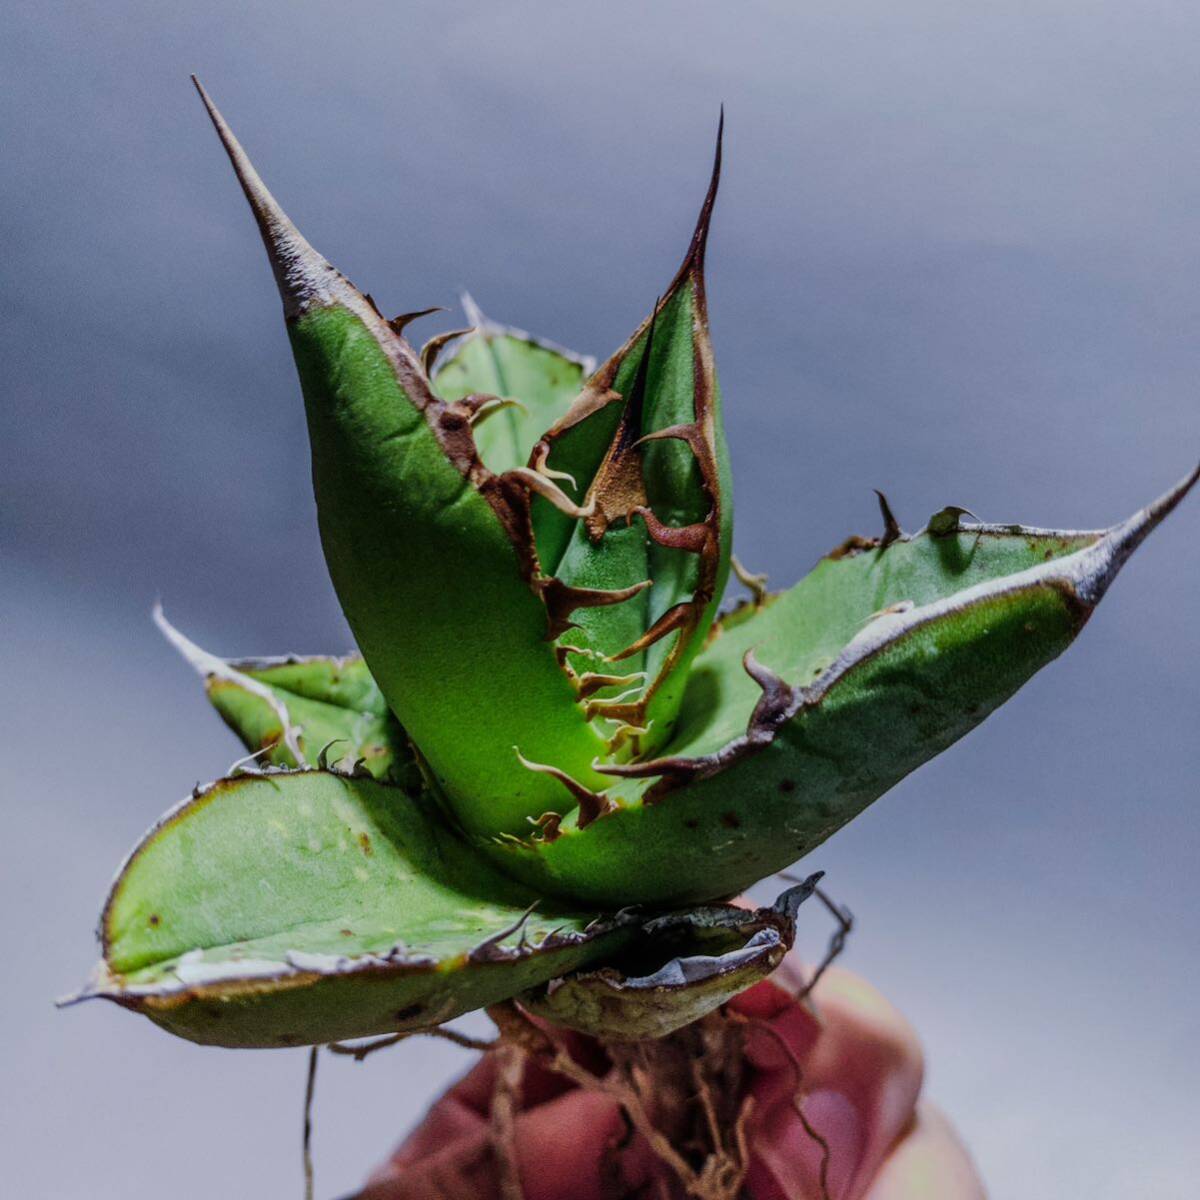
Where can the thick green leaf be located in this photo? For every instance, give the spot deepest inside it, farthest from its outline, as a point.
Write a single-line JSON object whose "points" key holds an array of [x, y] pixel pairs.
{"points": [[562, 628], [431, 553], [306, 906], [293, 710], [870, 666], [509, 363], [801, 633], [644, 442], [678, 968]]}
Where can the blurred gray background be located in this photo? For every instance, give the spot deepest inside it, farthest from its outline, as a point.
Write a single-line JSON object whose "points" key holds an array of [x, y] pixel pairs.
{"points": [[955, 257]]}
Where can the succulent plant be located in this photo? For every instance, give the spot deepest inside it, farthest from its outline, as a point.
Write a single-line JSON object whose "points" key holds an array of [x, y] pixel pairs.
{"points": [[554, 758]]}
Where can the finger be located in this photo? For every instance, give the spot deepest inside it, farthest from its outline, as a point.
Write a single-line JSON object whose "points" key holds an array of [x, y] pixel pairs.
{"points": [[465, 1106], [569, 1146], [868, 1057], [459, 1112], [928, 1161], [861, 1069]]}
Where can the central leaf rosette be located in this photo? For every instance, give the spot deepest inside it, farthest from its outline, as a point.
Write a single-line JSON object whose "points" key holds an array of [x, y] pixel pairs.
{"points": [[552, 755], [536, 570]]}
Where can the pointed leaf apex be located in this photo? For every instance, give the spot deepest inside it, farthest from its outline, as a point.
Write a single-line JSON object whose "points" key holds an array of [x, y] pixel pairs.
{"points": [[695, 255], [474, 314], [1111, 553], [209, 666], [304, 277]]}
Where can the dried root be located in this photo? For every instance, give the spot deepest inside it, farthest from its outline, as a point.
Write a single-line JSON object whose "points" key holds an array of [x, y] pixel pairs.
{"points": [[359, 1050], [310, 1087], [680, 1094], [510, 1067], [683, 1095], [837, 941]]}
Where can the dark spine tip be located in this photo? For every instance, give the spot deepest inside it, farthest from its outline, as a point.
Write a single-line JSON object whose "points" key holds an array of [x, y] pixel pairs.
{"points": [[1122, 540], [303, 276], [773, 705], [891, 527], [398, 324], [260, 200], [699, 243]]}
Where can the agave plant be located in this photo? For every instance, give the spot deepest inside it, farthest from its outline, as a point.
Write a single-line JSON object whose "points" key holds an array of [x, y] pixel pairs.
{"points": [[554, 758]]}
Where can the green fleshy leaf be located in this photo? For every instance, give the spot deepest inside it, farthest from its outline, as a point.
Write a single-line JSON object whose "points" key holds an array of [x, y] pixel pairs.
{"points": [[799, 634], [678, 968], [539, 613], [433, 590], [431, 554], [331, 707], [511, 364], [870, 666], [645, 441], [306, 907]]}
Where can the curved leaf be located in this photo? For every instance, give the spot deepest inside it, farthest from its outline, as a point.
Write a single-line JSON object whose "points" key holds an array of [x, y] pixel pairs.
{"points": [[873, 664], [431, 553], [678, 968], [292, 710], [645, 443], [305, 906], [462, 585]]}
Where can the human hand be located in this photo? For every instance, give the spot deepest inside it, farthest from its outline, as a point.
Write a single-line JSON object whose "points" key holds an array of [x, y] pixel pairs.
{"points": [[862, 1132]]}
